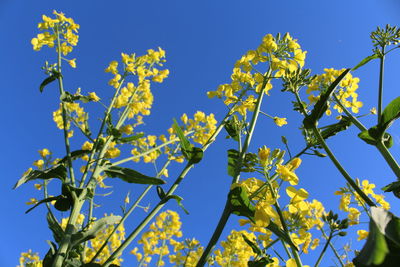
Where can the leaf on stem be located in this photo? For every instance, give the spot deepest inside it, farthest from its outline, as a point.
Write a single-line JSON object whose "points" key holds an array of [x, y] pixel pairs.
{"points": [[192, 154], [131, 176], [178, 200], [130, 138], [57, 171], [240, 203], [322, 104], [49, 199], [389, 115], [58, 232], [253, 246], [373, 135], [53, 76], [382, 247], [334, 129], [233, 158], [365, 61], [97, 226]]}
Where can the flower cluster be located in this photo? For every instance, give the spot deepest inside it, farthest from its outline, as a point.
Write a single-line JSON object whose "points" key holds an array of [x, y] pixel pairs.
{"points": [[346, 92], [59, 29], [283, 56], [156, 241]]}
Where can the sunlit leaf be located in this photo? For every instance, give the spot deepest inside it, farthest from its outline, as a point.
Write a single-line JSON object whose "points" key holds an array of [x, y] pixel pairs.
{"points": [[131, 176]]}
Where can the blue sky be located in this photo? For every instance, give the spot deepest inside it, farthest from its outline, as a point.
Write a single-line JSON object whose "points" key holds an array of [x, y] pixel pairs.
{"points": [[203, 39]]}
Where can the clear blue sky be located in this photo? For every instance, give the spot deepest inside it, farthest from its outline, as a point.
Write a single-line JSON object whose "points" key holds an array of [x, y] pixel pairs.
{"points": [[203, 39]]}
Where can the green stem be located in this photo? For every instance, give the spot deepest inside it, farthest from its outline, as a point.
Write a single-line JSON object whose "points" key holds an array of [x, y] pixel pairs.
{"points": [[323, 250], [380, 146], [348, 178], [380, 92], [64, 112], [333, 249], [129, 212], [285, 227], [96, 144], [70, 229], [161, 253], [162, 202], [227, 209]]}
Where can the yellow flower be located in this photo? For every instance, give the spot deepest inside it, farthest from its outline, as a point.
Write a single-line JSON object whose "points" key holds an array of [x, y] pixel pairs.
{"points": [[44, 152], [38, 163], [263, 154], [72, 63], [280, 121], [87, 146], [362, 234], [93, 97], [32, 201]]}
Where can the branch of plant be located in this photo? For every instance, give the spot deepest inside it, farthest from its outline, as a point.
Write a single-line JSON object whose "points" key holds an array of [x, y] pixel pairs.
{"points": [[324, 249], [333, 248], [380, 146], [129, 212], [64, 113], [380, 88], [227, 209], [96, 144], [162, 202]]}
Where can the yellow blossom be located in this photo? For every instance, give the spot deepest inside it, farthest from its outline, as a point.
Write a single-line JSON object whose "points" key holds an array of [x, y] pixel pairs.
{"points": [[280, 121]]}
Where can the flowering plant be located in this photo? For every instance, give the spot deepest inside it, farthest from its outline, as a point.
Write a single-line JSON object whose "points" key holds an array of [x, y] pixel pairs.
{"points": [[280, 222]]}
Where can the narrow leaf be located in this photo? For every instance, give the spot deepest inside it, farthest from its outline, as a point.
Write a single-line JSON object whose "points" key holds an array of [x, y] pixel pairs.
{"points": [[273, 227], [55, 75], [395, 186], [179, 201], [334, 129], [96, 227], [185, 144], [365, 61], [322, 104], [131, 176], [253, 246], [49, 199], [160, 192], [57, 171], [130, 138]]}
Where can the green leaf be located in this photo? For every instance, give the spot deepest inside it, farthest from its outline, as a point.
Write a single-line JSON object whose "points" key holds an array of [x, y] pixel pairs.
{"points": [[54, 226], [63, 203], [130, 138], [185, 144], [196, 155], [160, 192], [74, 155], [365, 61], [57, 171], [233, 157], [333, 129], [54, 75], [322, 104], [395, 186], [264, 261], [273, 227], [178, 200], [233, 127], [382, 245], [389, 115], [373, 135], [240, 203], [253, 246], [97, 226], [131, 176], [49, 257], [49, 199]]}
